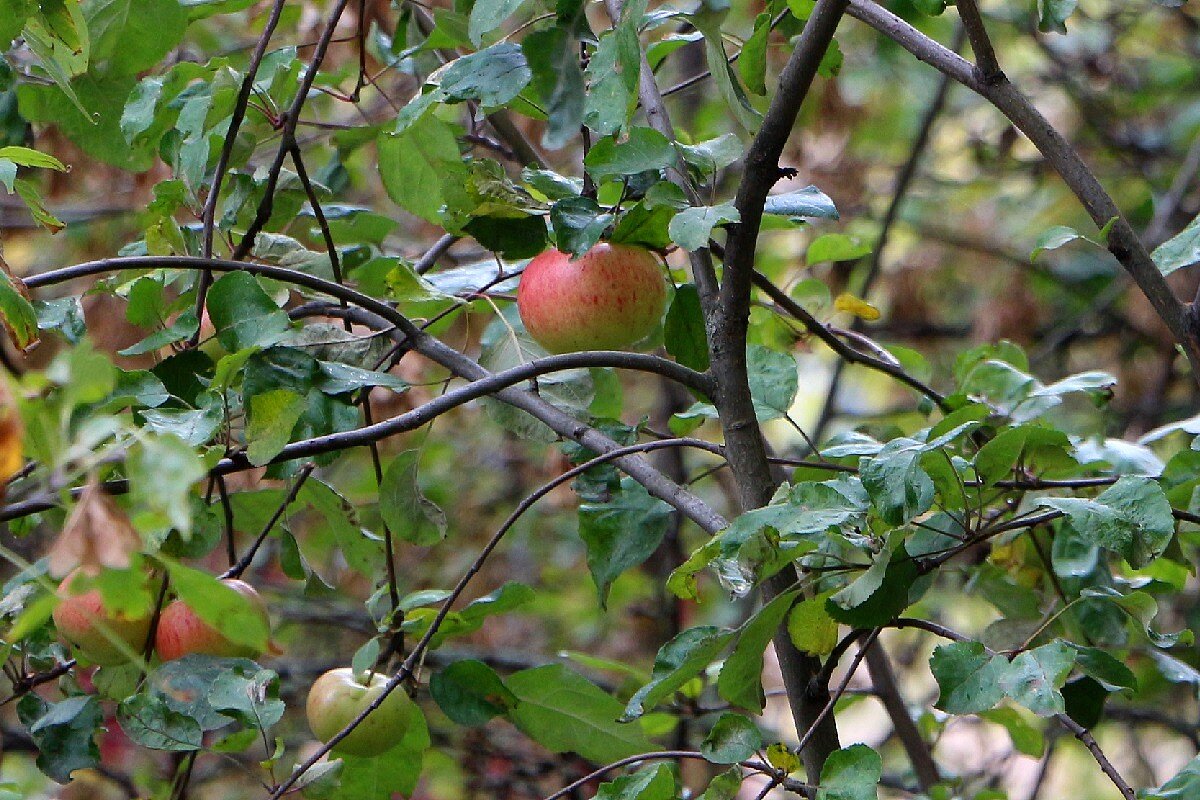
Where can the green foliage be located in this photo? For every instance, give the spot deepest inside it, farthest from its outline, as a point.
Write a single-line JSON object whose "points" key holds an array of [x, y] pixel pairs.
{"points": [[1041, 500]]}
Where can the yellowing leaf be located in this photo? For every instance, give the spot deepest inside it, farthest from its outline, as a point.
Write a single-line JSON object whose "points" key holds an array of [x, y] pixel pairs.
{"points": [[856, 306]]}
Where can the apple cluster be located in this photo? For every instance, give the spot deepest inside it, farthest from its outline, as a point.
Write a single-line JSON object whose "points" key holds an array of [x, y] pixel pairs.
{"points": [[109, 637]]}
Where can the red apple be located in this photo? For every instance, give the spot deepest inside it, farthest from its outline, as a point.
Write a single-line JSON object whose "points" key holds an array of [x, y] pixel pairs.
{"points": [[92, 630], [181, 630], [609, 298], [337, 697]]}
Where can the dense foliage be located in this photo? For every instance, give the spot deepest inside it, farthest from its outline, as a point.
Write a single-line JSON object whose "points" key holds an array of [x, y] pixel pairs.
{"points": [[900, 497]]}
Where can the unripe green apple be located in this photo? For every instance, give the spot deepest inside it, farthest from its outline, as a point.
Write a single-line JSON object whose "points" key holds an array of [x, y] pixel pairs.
{"points": [[181, 631], [609, 298], [338, 697], [83, 622]]}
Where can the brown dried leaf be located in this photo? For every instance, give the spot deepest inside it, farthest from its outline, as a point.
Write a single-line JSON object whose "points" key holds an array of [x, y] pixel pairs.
{"points": [[97, 534]]}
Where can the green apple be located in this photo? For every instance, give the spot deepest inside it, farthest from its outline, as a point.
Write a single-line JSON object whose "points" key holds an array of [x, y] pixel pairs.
{"points": [[338, 697]]}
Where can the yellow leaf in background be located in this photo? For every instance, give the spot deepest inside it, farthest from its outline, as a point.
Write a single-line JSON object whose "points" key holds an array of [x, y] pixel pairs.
{"points": [[856, 306], [12, 455]]}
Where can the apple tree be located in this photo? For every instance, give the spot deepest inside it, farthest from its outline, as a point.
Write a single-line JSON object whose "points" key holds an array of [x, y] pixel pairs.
{"points": [[505, 398]]}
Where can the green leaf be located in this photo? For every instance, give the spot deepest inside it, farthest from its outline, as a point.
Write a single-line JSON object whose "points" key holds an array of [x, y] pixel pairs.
{"points": [[1053, 15], [740, 681], [1142, 608], [1182, 250], [725, 786], [723, 74], [553, 56], [996, 459], [228, 611], [272, 416], [470, 693], [713, 154], [807, 203], [20, 320], [651, 783], [683, 330], [564, 712], [622, 532], [488, 15], [1132, 517], [32, 199], [752, 65], [64, 732], [1054, 238], [692, 227], [881, 593], [1105, 668], [643, 149], [243, 313], [28, 157], [382, 777], [419, 164], [677, 662], [159, 505], [852, 773], [98, 130], [811, 628], [774, 380], [1026, 737], [337, 378], [1034, 678], [733, 738], [133, 35], [493, 76], [836, 247], [524, 237], [148, 720], [578, 224], [612, 76], [405, 508], [968, 677]]}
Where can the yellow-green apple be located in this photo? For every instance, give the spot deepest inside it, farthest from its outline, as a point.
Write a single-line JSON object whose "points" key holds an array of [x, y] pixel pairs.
{"points": [[338, 697], [181, 631], [607, 299], [97, 634]]}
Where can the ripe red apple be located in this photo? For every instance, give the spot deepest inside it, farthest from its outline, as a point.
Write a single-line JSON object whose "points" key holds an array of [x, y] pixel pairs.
{"points": [[90, 628], [181, 630], [609, 298], [337, 697]]}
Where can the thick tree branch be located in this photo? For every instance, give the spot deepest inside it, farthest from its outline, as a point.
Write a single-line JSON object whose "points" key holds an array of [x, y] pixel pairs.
{"points": [[1123, 241], [727, 323]]}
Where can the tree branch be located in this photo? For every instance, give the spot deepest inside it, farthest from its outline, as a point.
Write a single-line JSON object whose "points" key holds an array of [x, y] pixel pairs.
{"points": [[883, 679], [727, 323], [981, 44]]}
